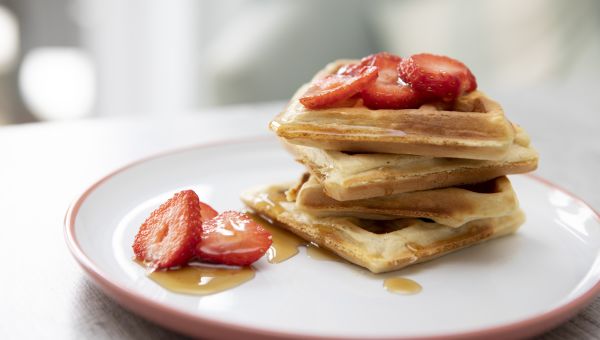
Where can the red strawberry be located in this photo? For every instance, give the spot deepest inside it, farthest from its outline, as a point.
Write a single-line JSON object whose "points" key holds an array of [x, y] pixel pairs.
{"points": [[350, 69], [337, 87], [207, 212], [391, 96], [436, 75], [388, 92], [387, 64], [233, 238], [167, 238]]}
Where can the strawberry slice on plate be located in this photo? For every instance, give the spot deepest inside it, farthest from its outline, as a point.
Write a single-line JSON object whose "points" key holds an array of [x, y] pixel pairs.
{"points": [[168, 236], [438, 76], [328, 91], [388, 91], [207, 212], [233, 238]]}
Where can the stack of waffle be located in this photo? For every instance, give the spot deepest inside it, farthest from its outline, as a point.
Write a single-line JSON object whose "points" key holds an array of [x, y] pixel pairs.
{"points": [[385, 189]]}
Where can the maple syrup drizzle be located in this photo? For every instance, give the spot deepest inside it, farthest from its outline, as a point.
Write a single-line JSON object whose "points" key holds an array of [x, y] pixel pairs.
{"points": [[401, 285], [285, 244], [201, 279], [321, 254]]}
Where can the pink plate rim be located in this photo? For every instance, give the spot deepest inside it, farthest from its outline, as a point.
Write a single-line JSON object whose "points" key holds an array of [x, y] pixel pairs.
{"points": [[196, 325]]}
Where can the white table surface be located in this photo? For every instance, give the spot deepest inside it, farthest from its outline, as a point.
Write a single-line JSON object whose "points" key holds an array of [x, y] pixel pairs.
{"points": [[44, 166]]}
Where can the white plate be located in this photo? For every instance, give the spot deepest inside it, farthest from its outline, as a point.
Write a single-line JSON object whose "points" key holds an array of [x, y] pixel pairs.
{"points": [[518, 285]]}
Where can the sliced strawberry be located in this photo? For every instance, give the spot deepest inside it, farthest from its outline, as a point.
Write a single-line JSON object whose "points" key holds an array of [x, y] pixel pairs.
{"points": [[233, 238], [388, 92], [168, 236], [436, 75], [386, 63], [391, 96], [337, 87], [351, 69], [207, 212]]}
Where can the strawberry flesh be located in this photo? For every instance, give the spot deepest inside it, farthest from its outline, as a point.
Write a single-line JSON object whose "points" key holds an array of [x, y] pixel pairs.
{"points": [[388, 91], [168, 236], [334, 88], [391, 96], [437, 76], [207, 212], [386, 63], [233, 238]]}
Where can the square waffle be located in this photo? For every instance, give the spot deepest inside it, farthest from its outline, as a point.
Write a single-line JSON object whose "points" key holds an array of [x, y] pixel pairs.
{"points": [[452, 206], [379, 246], [352, 176], [473, 127]]}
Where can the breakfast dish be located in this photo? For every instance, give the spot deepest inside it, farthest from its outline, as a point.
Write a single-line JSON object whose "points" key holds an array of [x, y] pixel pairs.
{"points": [[406, 161], [452, 206], [555, 255], [379, 246]]}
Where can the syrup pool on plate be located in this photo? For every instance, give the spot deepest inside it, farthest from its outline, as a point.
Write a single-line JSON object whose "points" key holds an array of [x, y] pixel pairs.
{"points": [[320, 254], [285, 244], [401, 285], [201, 279]]}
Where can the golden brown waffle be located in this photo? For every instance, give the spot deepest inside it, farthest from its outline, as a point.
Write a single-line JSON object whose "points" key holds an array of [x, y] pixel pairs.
{"points": [[474, 127], [379, 246], [452, 206], [347, 176]]}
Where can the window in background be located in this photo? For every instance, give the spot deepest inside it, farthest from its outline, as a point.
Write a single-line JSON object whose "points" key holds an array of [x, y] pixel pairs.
{"points": [[147, 55]]}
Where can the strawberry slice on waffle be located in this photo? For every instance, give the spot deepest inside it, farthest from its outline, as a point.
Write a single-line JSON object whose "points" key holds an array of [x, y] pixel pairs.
{"points": [[437, 76], [335, 88], [388, 91]]}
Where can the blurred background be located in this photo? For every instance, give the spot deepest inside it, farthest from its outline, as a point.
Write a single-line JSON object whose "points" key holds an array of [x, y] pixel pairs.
{"points": [[70, 59]]}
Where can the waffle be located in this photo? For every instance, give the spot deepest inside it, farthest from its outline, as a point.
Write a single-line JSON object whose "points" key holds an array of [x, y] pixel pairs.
{"points": [[347, 176], [452, 207], [474, 127], [379, 246]]}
